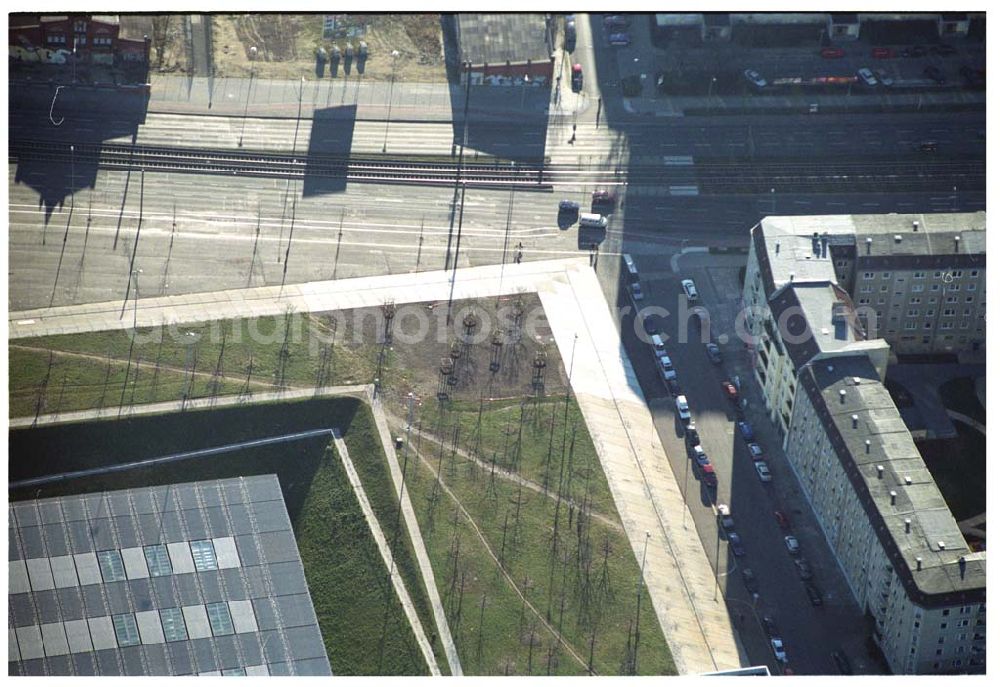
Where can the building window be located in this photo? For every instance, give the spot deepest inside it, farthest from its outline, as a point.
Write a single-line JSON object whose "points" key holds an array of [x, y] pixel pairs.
{"points": [[969, 299], [964, 325], [913, 312], [974, 273], [157, 560], [930, 313], [954, 287], [841, 263], [233, 671], [917, 288], [79, 40], [886, 275], [962, 637], [881, 301], [910, 326], [956, 274], [883, 289], [218, 616], [937, 275], [864, 301], [935, 287], [965, 623], [915, 300], [971, 287], [948, 312], [173, 624], [866, 289], [125, 629], [967, 312], [919, 275], [937, 665], [868, 275], [932, 300], [80, 27], [203, 553], [951, 299], [957, 663], [927, 325], [112, 568]]}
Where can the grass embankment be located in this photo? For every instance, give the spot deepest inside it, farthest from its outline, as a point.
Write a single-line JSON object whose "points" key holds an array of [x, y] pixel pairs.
{"points": [[362, 622], [579, 575]]}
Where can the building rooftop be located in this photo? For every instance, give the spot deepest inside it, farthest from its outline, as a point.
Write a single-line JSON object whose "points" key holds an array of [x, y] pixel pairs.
{"points": [[797, 248], [498, 38], [199, 578], [867, 434]]}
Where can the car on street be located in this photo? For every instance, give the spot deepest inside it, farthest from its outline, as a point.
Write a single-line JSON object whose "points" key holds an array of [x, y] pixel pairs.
{"points": [[569, 206], [778, 649], [674, 387], [934, 74], [805, 570], [649, 326], [749, 581], [700, 457], [943, 49], [782, 519], [927, 146], [666, 368], [831, 53], [636, 292], [691, 434], [620, 39], [616, 21], [882, 53], [884, 78], [843, 664], [569, 36], [865, 74], [708, 476], [735, 544], [729, 389], [792, 544], [746, 430], [576, 78], [689, 289], [755, 78], [914, 51], [683, 410], [756, 452], [603, 196], [815, 597], [769, 625], [725, 517], [713, 352], [763, 472]]}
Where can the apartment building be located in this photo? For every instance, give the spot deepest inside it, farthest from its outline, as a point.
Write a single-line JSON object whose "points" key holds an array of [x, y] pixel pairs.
{"points": [[885, 519]]}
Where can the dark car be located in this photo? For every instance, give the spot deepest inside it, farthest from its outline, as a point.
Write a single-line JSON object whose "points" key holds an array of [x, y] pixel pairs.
{"points": [[843, 665], [619, 39], [749, 581], [815, 598], [691, 434], [576, 80], [805, 570], [569, 206], [569, 37], [616, 21], [927, 146], [934, 74], [770, 627], [709, 478], [782, 519], [649, 325], [603, 197], [914, 51], [674, 387], [746, 431], [729, 389], [713, 352], [736, 544], [943, 49]]}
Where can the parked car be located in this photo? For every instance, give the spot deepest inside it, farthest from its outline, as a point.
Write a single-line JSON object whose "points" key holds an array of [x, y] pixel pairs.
{"points": [[729, 389], [914, 51], [805, 570], [603, 196], [576, 78], [683, 411], [763, 472], [689, 289], [882, 53], [735, 544], [636, 292], [843, 664], [792, 544], [569, 206], [614, 21], [708, 476], [934, 74], [755, 78], [769, 625], [782, 519], [865, 74], [884, 78], [700, 457], [725, 517], [749, 581], [666, 368], [673, 387], [746, 430], [691, 434], [778, 649], [569, 37], [756, 452], [714, 354], [832, 53], [620, 39], [927, 146], [649, 326], [815, 597], [943, 49]]}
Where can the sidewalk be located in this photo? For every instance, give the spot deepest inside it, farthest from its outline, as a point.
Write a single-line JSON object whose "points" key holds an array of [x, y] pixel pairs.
{"points": [[688, 603]]}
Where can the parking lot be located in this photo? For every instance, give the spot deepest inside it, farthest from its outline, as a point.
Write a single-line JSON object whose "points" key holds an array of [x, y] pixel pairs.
{"points": [[810, 633]]}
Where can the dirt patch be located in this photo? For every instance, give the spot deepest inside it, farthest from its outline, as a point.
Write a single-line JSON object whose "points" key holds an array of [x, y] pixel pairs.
{"points": [[168, 50], [287, 44]]}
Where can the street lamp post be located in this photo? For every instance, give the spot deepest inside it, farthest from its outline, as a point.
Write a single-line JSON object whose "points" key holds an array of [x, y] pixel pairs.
{"points": [[72, 177], [246, 106], [711, 86], [388, 114], [638, 602]]}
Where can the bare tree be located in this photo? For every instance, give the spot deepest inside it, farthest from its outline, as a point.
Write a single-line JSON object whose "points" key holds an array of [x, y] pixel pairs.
{"points": [[163, 31]]}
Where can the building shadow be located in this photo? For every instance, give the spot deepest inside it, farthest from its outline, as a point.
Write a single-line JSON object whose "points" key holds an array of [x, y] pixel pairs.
{"points": [[46, 119], [329, 150]]}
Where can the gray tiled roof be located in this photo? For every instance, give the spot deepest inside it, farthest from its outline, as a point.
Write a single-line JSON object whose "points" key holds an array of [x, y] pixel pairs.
{"points": [[497, 38], [66, 618]]}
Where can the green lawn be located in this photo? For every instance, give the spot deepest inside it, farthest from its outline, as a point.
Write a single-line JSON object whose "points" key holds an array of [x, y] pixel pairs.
{"points": [[361, 620]]}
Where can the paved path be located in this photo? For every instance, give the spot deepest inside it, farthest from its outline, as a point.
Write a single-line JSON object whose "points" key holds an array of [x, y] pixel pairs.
{"points": [[390, 564], [955, 415], [683, 588]]}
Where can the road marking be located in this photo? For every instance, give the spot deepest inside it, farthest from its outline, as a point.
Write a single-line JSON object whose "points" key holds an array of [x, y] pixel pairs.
{"points": [[25, 321], [676, 160], [683, 190]]}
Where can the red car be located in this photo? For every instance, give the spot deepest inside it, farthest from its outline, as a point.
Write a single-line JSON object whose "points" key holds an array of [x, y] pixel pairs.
{"points": [[882, 53], [831, 53], [782, 519], [577, 78], [730, 390]]}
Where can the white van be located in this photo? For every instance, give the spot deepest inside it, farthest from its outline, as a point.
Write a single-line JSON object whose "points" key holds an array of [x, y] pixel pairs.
{"points": [[588, 219], [658, 348]]}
